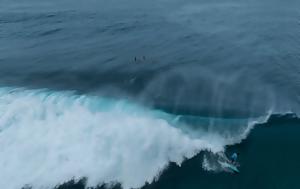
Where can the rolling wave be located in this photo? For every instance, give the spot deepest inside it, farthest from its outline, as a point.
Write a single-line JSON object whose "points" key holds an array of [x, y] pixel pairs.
{"points": [[48, 138]]}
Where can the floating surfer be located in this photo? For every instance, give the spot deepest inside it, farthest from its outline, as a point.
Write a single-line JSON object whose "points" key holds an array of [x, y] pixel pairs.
{"points": [[139, 59]]}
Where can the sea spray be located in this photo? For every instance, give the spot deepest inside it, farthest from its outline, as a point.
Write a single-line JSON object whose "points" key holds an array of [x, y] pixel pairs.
{"points": [[48, 138]]}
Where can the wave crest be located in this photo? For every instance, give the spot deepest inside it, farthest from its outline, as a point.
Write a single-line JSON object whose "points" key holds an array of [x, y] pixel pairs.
{"points": [[48, 138]]}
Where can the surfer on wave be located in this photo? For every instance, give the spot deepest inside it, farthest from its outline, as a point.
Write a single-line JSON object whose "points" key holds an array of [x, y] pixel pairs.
{"points": [[233, 157]]}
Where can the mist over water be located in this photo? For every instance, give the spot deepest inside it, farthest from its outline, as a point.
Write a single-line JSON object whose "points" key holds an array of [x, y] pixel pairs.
{"points": [[180, 76]]}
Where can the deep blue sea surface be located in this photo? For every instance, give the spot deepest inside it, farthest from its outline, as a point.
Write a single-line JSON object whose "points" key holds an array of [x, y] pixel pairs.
{"points": [[149, 94]]}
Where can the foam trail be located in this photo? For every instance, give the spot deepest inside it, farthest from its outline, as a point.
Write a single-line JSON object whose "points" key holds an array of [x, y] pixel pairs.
{"points": [[48, 138]]}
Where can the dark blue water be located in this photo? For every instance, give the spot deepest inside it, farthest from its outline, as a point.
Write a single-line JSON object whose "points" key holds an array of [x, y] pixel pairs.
{"points": [[199, 76]]}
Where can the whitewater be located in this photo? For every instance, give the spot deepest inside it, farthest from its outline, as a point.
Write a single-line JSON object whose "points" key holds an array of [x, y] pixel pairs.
{"points": [[48, 138]]}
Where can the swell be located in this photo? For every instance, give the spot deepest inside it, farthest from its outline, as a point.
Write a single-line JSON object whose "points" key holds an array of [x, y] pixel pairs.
{"points": [[48, 138]]}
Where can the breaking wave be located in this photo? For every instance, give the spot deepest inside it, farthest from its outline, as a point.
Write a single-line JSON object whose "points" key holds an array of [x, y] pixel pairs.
{"points": [[48, 138]]}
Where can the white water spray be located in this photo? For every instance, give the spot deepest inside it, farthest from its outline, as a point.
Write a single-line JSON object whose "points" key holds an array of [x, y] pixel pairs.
{"points": [[48, 138]]}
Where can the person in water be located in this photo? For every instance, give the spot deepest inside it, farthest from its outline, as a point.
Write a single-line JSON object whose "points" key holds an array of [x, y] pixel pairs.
{"points": [[234, 157]]}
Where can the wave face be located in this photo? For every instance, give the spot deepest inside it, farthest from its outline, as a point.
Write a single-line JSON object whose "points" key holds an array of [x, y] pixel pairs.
{"points": [[48, 138]]}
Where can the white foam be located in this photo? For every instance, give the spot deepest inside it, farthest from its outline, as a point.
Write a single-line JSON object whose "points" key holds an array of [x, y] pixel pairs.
{"points": [[206, 165], [48, 138]]}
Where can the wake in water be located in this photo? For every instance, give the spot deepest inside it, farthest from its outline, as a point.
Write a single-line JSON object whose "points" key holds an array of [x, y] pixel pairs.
{"points": [[48, 138]]}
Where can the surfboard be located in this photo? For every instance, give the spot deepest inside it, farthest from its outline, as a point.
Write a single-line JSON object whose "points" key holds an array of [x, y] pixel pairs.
{"points": [[230, 167]]}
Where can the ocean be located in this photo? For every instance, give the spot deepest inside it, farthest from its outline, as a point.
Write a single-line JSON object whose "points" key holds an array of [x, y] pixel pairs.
{"points": [[149, 94]]}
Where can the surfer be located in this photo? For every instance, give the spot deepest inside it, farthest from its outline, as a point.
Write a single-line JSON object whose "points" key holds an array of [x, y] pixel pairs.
{"points": [[234, 157]]}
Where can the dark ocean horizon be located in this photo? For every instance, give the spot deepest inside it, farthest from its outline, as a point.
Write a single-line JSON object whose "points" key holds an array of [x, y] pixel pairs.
{"points": [[149, 94]]}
